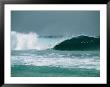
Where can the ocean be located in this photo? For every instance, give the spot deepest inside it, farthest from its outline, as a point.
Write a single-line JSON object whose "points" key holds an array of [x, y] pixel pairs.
{"points": [[34, 56]]}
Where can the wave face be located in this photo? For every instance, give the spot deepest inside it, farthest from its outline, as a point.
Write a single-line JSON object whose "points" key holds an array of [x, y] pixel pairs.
{"points": [[80, 43], [28, 41]]}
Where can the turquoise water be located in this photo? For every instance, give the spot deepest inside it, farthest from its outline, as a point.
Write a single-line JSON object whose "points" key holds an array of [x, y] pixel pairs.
{"points": [[54, 63], [45, 71]]}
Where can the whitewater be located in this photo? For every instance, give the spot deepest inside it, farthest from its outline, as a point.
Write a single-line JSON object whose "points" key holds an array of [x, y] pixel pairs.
{"points": [[31, 40], [33, 56]]}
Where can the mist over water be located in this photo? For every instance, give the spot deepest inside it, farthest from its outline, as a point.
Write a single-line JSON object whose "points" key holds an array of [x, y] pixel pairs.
{"points": [[31, 40]]}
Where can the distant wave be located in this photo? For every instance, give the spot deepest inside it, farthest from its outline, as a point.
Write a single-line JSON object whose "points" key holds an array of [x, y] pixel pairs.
{"points": [[27, 41], [79, 43], [51, 36]]}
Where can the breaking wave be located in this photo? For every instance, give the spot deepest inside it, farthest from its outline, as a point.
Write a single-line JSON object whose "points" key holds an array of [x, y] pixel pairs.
{"points": [[31, 40], [79, 43]]}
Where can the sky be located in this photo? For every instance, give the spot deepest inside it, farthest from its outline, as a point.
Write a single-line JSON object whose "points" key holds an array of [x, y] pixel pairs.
{"points": [[55, 23]]}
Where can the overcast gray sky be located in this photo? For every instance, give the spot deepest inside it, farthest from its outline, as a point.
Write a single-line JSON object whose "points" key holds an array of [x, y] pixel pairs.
{"points": [[56, 22]]}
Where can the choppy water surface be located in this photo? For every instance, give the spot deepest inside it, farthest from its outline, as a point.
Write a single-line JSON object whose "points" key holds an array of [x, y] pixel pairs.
{"points": [[46, 63]]}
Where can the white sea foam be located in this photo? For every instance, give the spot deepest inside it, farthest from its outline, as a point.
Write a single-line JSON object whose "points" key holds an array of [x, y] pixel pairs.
{"points": [[56, 62]]}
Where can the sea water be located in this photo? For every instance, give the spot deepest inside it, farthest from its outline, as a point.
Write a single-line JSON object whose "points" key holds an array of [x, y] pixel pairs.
{"points": [[32, 56], [53, 63]]}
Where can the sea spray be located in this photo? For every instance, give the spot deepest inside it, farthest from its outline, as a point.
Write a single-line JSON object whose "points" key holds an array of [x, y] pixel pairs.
{"points": [[22, 41], [31, 40]]}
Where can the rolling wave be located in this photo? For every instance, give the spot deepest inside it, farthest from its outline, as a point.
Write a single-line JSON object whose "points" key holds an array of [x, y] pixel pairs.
{"points": [[79, 43]]}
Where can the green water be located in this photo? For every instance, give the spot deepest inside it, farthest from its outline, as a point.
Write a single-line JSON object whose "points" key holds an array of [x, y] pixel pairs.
{"points": [[45, 71]]}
